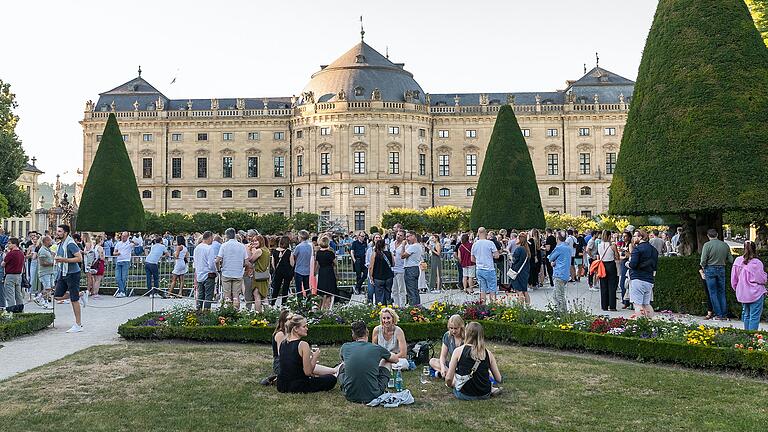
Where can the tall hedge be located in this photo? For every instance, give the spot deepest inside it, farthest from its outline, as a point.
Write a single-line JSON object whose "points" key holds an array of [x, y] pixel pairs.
{"points": [[507, 195], [110, 200], [700, 105]]}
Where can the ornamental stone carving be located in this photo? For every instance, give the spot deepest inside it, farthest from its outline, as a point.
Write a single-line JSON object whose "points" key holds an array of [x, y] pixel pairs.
{"points": [[240, 104], [160, 105], [324, 147], [341, 96], [444, 149], [309, 97], [265, 101], [189, 104], [510, 99], [423, 148], [252, 151], [376, 94], [597, 99], [147, 152], [112, 106], [88, 106], [552, 148], [279, 152], [610, 147], [136, 105], [176, 152], [584, 147], [359, 146], [227, 151], [202, 152], [471, 149], [393, 146], [483, 99], [214, 104], [456, 100]]}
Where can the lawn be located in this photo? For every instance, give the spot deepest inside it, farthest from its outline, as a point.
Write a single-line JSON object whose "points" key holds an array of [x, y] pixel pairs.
{"points": [[171, 386]]}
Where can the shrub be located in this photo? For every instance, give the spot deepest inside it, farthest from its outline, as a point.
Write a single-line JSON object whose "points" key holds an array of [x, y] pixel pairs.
{"points": [[305, 221], [24, 323], [560, 221], [272, 223], [239, 220], [204, 221], [410, 219], [445, 219]]}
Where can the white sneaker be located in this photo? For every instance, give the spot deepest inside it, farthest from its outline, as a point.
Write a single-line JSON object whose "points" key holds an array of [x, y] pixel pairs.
{"points": [[75, 329], [84, 298], [120, 295]]}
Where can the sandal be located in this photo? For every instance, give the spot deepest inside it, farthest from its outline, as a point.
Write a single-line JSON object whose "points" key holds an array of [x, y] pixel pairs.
{"points": [[709, 316]]}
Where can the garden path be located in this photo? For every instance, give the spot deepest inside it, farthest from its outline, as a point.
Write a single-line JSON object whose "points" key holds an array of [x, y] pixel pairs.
{"points": [[102, 317]]}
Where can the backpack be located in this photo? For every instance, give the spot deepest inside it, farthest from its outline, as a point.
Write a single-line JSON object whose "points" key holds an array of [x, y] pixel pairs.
{"points": [[420, 352]]}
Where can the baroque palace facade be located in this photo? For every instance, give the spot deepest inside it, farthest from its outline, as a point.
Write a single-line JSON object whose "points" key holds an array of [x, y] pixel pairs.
{"points": [[361, 138]]}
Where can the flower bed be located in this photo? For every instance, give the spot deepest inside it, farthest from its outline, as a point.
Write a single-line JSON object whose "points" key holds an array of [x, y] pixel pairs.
{"points": [[12, 325], [663, 339]]}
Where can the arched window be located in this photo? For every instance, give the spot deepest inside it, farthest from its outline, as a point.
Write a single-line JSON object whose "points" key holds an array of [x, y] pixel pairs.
{"points": [[279, 193], [226, 193], [471, 192], [299, 193], [325, 191], [202, 193], [394, 190], [423, 191], [445, 192], [146, 194], [586, 191], [253, 193], [176, 193], [359, 91], [553, 191]]}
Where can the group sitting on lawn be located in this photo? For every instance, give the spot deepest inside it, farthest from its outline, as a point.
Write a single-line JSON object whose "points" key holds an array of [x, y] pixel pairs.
{"points": [[364, 372]]}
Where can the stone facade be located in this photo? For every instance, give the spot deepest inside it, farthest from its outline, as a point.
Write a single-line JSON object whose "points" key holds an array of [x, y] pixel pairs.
{"points": [[20, 226], [352, 151]]}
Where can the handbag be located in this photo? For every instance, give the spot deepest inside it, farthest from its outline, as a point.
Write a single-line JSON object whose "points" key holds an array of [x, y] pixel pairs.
{"points": [[512, 274], [597, 268], [460, 380], [261, 276]]}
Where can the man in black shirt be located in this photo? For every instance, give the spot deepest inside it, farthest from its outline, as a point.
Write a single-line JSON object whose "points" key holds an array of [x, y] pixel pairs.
{"points": [[549, 245]]}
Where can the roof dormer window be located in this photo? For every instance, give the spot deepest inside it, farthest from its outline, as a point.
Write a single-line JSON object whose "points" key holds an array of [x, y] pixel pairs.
{"points": [[359, 91], [359, 58]]}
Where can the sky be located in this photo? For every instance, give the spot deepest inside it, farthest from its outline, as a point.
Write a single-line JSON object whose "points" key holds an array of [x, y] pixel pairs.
{"points": [[58, 54]]}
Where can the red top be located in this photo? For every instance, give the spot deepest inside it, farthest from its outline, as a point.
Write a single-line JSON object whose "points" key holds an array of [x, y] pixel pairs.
{"points": [[14, 262], [465, 254]]}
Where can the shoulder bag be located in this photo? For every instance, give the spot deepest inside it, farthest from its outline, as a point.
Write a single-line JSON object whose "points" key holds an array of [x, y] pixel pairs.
{"points": [[460, 380], [512, 274]]}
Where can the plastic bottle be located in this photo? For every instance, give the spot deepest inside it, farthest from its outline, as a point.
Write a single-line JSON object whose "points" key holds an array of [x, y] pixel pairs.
{"points": [[391, 383], [398, 381]]}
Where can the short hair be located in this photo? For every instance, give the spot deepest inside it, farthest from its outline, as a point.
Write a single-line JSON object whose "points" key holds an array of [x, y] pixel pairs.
{"points": [[655, 232], [359, 329], [712, 233], [643, 234], [324, 242], [64, 227], [395, 317], [207, 235], [13, 240], [570, 232], [285, 242], [230, 233], [303, 235], [679, 229], [480, 230], [560, 237], [158, 240]]}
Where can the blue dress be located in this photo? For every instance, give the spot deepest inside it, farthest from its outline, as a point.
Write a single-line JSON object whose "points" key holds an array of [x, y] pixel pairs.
{"points": [[518, 257]]}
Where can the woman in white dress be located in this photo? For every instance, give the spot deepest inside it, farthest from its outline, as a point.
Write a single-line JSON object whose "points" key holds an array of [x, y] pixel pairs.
{"points": [[180, 268]]}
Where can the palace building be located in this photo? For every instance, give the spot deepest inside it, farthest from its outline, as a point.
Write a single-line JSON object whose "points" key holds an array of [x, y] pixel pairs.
{"points": [[362, 137]]}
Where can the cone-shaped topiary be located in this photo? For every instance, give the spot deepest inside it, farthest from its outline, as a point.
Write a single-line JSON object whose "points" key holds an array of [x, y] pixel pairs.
{"points": [[696, 139], [110, 200], [507, 195]]}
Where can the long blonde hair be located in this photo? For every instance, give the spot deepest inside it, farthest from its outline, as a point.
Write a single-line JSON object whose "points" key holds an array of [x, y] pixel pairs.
{"points": [[457, 321], [475, 338]]}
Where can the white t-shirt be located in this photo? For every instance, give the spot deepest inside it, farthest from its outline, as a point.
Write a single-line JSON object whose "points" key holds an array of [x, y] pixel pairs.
{"points": [[398, 265], [138, 241], [233, 255], [571, 241], [416, 252], [483, 251], [122, 250]]}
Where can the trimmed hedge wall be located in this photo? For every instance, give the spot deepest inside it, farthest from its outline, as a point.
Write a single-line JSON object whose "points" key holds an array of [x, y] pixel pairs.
{"points": [[679, 287], [25, 323], [645, 350]]}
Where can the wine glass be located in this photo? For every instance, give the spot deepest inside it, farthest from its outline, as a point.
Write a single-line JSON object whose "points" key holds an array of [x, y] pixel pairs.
{"points": [[314, 348], [424, 378]]}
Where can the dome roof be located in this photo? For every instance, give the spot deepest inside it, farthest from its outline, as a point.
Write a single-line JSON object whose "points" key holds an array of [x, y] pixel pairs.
{"points": [[358, 72]]}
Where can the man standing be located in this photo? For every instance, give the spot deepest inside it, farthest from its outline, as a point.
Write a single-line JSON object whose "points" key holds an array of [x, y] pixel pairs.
{"points": [[205, 271], [412, 253], [3, 239], [108, 244], [46, 272], [232, 259], [13, 263], [138, 244], [676, 240], [152, 266], [642, 269], [122, 251], [550, 243], [570, 240], [714, 256], [398, 285], [362, 376], [658, 243], [561, 258], [359, 248], [68, 257], [300, 260], [483, 254]]}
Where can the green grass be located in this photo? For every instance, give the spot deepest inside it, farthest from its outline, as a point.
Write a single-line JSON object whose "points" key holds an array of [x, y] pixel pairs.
{"points": [[161, 386]]}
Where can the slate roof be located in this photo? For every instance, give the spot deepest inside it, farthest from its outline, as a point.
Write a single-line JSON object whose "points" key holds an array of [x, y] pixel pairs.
{"points": [[32, 168]]}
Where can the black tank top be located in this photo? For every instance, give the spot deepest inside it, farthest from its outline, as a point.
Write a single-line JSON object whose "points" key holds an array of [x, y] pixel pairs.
{"points": [[291, 377], [480, 383]]}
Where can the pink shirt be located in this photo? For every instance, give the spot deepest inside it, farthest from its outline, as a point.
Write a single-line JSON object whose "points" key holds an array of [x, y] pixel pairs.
{"points": [[748, 280]]}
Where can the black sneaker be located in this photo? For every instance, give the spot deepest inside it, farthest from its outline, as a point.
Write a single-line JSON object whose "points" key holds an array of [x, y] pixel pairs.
{"points": [[268, 381]]}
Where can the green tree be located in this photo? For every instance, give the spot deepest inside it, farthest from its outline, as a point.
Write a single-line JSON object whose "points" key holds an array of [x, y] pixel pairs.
{"points": [[445, 219], [759, 11], [110, 200], [305, 221], [700, 101], [205, 221], [13, 200], [239, 220], [272, 223], [411, 219], [507, 195]]}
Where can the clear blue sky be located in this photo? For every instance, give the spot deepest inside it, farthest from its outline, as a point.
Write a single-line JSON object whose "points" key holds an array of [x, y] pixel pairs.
{"points": [[58, 54]]}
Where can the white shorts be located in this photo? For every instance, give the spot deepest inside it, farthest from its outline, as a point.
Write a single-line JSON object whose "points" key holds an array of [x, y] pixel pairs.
{"points": [[469, 271]]}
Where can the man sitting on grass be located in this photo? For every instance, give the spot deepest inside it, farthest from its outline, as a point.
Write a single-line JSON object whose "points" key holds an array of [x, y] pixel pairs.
{"points": [[362, 379]]}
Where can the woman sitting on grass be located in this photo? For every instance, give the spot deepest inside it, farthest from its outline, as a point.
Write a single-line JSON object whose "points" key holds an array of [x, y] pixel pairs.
{"points": [[474, 361], [388, 335], [300, 371], [453, 338], [278, 336]]}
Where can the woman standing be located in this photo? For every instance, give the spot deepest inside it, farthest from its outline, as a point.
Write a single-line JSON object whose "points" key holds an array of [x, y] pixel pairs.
{"points": [[89, 256], [464, 252], [624, 248], [325, 269], [608, 253], [381, 273], [180, 267], [300, 371], [281, 270], [258, 256], [98, 266], [534, 246], [435, 263], [475, 360], [521, 255], [748, 280]]}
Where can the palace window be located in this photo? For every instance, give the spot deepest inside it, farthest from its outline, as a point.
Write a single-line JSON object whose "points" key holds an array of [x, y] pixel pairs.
{"points": [[299, 165], [359, 220], [146, 137], [202, 137], [583, 132], [325, 163], [394, 162], [253, 136], [359, 190], [226, 193], [176, 167], [325, 191], [299, 134], [98, 138], [526, 132], [394, 130], [299, 193], [610, 163], [279, 193], [278, 136], [359, 167], [202, 193], [253, 166], [253, 193], [444, 165], [125, 137], [394, 190], [422, 164], [359, 91], [176, 137], [423, 192], [552, 168], [146, 193], [146, 168], [202, 167], [227, 136], [551, 132], [471, 164], [470, 133], [611, 131], [553, 191], [226, 167], [358, 130], [279, 166], [586, 213], [445, 192], [422, 133], [325, 131], [585, 191], [442, 133], [471, 192], [176, 194], [584, 167]]}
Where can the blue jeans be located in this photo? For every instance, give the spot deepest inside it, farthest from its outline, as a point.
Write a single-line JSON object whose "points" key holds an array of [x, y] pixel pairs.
{"points": [[461, 396], [750, 313], [384, 291], [121, 275], [153, 275], [300, 281], [716, 286], [370, 288], [411, 275], [486, 279], [623, 280]]}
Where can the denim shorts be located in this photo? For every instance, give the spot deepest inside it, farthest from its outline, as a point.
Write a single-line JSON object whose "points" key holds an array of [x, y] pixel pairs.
{"points": [[71, 283], [461, 396], [47, 281], [640, 292], [486, 279], [468, 271]]}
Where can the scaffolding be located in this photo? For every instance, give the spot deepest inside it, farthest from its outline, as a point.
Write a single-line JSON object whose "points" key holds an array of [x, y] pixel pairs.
{"points": [[338, 224]]}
